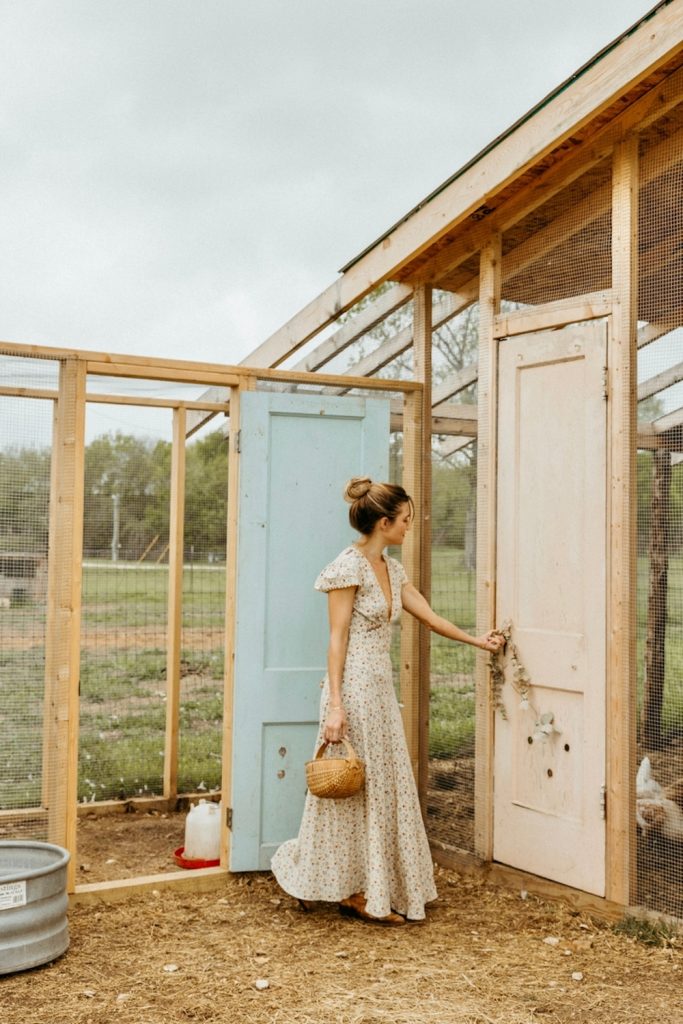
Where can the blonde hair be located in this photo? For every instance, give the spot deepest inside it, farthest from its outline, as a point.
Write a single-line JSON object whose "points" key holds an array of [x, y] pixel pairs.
{"points": [[371, 502]]}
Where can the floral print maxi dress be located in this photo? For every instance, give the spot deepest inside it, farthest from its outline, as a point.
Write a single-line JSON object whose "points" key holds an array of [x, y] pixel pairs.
{"points": [[373, 842]]}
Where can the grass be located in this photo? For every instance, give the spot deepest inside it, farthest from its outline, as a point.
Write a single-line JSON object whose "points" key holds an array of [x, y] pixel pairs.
{"points": [[648, 933]]}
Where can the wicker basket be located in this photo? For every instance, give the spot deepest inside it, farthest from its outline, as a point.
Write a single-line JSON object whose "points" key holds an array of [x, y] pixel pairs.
{"points": [[335, 777]]}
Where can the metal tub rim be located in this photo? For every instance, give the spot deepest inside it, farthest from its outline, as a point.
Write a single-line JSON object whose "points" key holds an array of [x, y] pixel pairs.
{"points": [[62, 859]]}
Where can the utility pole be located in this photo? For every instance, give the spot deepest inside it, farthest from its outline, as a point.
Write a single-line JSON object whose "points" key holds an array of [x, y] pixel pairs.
{"points": [[115, 530]]}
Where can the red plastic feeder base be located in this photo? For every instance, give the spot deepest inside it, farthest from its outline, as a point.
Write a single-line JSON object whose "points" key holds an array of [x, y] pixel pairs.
{"points": [[183, 862]]}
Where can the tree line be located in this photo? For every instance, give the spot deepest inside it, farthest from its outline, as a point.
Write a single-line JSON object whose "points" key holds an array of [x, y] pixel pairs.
{"points": [[137, 471]]}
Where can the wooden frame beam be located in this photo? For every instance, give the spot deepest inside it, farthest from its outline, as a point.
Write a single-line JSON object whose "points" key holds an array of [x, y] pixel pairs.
{"points": [[409, 672], [454, 445], [158, 403], [454, 384], [354, 328], [423, 327], [660, 382], [10, 392], [490, 277], [668, 422], [449, 418], [119, 365], [553, 314], [175, 604], [621, 656], [62, 635], [652, 332], [230, 615]]}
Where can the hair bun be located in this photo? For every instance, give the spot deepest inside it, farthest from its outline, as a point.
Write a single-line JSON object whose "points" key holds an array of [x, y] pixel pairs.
{"points": [[357, 487]]}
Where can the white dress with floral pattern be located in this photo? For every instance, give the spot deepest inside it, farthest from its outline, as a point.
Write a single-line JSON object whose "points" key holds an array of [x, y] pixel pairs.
{"points": [[373, 842]]}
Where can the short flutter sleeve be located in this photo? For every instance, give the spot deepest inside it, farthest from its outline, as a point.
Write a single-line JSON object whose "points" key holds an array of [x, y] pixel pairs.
{"points": [[342, 572]]}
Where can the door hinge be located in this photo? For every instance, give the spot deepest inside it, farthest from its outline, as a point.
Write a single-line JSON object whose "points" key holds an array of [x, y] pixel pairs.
{"points": [[603, 802], [228, 817], [605, 383], [238, 441]]}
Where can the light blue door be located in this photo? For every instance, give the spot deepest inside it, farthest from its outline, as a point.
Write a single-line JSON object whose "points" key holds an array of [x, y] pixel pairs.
{"points": [[296, 454]]}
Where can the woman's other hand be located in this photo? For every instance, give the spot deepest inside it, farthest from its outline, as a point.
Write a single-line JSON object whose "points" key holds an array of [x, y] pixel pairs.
{"points": [[335, 725]]}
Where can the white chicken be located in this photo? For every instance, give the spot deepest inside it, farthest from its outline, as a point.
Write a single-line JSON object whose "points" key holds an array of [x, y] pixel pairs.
{"points": [[658, 808]]}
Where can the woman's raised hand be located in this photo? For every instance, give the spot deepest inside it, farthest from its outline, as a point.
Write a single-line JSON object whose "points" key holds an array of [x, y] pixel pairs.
{"points": [[492, 641], [335, 725]]}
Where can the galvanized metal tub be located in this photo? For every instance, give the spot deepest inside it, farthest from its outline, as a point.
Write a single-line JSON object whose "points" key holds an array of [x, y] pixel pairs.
{"points": [[33, 904]]}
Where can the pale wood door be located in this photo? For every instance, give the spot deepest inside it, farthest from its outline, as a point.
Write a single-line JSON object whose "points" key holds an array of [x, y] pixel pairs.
{"points": [[296, 454], [551, 582]]}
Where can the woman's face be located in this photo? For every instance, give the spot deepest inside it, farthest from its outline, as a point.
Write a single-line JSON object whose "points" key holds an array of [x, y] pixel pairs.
{"points": [[395, 529]]}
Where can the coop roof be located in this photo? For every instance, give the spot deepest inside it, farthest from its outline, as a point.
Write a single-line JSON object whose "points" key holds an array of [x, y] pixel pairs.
{"points": [[635, 70]]}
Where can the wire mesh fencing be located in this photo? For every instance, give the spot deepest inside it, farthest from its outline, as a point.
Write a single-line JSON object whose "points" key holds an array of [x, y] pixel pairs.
{"points": [[27, 763], [659, 751]]}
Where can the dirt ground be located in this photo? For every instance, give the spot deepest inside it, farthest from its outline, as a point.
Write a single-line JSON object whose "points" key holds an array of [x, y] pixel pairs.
{"points": [[484, 955]]}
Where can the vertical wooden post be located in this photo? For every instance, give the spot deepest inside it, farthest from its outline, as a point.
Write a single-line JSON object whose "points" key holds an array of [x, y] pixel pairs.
{"points": [[51, 634], [422, 368], [487, 393], [621, 647], [62, 638], [655, 640], [247, 384], [176, 552], [411, 555]]}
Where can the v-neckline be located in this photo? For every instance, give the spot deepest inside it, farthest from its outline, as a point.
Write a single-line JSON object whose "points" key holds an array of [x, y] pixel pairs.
{"points": [[389, 604]]}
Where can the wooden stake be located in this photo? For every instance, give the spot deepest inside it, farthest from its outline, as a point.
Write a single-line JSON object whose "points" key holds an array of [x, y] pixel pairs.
{"points": [[175, 603], [489, 307], [148, 549], [621, 677]]}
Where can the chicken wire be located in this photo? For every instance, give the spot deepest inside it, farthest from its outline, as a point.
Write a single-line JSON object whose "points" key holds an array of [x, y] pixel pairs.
{"points": [[450, 796], [563, 247], [124, 614], [659, 751], [26, 764], [125, 610]]}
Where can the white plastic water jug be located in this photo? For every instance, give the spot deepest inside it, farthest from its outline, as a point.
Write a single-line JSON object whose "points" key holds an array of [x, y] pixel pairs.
{"points": [[203, 832]]}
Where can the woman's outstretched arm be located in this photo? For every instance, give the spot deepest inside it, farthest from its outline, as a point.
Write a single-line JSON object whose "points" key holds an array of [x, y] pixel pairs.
{"points": [[415, 604]]}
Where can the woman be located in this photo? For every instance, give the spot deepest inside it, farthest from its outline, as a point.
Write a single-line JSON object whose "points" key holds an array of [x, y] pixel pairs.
{"points": [[369, 852]]}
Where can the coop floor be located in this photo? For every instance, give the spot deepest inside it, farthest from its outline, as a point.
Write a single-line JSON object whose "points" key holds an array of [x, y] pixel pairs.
{"points": [[116, 846], [481, 957]]}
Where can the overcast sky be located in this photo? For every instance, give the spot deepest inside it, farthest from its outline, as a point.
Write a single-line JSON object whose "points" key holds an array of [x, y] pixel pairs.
{"points": [[179, 177]]}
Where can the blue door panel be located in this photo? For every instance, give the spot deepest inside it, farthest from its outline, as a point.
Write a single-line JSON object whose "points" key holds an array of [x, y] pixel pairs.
{"points": [[296, 453]]}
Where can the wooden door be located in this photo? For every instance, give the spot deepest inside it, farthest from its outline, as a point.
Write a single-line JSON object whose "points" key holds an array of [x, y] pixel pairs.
{"points": [[551, 582], [296, 454]]}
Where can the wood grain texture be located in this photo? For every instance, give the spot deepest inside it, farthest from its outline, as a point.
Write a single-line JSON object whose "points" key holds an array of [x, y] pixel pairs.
{"points": [[621, 660]]}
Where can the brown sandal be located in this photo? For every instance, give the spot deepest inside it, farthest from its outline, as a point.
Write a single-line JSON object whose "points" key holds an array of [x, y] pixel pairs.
{"points": [[354, 906]]}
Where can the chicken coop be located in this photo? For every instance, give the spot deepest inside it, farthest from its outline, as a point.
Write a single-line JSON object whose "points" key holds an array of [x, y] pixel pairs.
{"points": [[512, 351]]}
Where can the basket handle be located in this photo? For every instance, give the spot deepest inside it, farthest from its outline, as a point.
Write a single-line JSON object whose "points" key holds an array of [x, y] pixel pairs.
{"points": [[350, 752]]}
